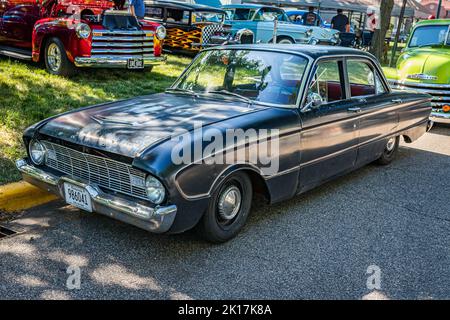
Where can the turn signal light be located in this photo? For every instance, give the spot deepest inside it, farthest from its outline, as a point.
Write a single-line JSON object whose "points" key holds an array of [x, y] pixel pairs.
{"points": [[446, 108]]}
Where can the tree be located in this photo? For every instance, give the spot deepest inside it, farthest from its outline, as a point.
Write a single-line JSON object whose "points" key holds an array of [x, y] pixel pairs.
{"points": [[379, 34]]}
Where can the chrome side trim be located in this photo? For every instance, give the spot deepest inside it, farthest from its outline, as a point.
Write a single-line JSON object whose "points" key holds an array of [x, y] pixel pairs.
{"points": [[157, 219]]}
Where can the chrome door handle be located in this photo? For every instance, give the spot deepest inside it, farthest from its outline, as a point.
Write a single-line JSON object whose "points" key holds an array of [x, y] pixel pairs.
{"points": [[397, 100], [354, 109]]}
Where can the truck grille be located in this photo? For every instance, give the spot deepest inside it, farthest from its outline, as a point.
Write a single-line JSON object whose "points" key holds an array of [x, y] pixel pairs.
{"points": [[129, 43], [440, 92], [109, 174]]}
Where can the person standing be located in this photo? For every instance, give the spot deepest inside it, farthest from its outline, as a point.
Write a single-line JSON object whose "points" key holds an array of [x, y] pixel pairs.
{"points": [[340, 22], [137, 8], [310, 18]]}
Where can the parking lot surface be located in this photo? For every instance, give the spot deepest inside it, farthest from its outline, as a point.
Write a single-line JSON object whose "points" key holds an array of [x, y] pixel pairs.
{"points": [[319, 245]]}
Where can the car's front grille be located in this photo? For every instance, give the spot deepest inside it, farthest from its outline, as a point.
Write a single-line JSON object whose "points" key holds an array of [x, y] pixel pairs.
{"points": [[109, 174], [111, 43], [440, 92]]}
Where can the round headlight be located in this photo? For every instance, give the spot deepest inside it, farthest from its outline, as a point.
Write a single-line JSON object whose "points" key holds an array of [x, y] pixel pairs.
{"points": [[161, 32], [155, 190], [83, 30], [336, 35], [37, 152]]}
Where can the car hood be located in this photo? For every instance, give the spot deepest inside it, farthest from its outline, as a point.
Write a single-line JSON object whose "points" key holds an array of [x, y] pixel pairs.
{"points": [[427, 65], [131, 126]]}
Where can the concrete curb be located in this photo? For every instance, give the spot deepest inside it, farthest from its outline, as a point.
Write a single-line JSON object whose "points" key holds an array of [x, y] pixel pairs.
{"points": [[22, 195]]}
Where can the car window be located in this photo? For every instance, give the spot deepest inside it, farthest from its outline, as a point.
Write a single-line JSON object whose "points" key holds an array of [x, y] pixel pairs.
{"points": [[363, 79], [178, 16], [269, 15], [240, 14], [429, 35], [154, 13], [327, 82], [263, 76]]}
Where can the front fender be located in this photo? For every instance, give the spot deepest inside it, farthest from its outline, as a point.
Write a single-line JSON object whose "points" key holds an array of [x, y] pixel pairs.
{"points": [[64, 30]]}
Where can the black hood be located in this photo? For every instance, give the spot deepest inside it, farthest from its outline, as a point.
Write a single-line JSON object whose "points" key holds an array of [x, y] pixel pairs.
{"points": [[130, 126]]}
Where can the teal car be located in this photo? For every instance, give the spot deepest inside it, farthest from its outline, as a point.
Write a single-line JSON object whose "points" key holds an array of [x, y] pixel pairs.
{"points": [[259, 21], [424, 65]]}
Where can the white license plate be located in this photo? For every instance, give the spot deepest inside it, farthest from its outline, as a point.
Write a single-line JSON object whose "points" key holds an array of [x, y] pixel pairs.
{"points": [[77, 197], [135, 64]]}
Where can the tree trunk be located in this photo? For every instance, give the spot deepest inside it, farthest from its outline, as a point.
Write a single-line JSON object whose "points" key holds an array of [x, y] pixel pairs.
{"points": [[379, 34]]}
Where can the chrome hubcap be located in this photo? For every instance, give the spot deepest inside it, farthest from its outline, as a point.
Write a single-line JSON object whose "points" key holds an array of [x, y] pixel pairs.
{"points": [[54, 57], [390, 144], [284, 41], [230, 203]]}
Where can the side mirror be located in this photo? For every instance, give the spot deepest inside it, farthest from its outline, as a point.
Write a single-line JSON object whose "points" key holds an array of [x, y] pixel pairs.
{"points": [[313, 101]]}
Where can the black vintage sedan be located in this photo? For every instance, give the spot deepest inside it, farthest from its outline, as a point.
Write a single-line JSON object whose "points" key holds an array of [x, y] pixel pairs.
{"points": [[271, 119]]}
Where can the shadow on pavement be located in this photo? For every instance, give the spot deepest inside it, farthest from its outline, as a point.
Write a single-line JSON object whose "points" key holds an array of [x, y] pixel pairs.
{"points": [[317, 245]]}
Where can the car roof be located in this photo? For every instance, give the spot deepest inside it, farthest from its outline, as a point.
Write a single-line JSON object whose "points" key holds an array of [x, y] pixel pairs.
{"points": [[432, 21], [313, 51], [247, 6], [183, 5]]}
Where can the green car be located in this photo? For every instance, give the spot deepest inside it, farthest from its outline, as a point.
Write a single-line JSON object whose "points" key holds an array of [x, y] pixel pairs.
{"points": [[424, 65]]}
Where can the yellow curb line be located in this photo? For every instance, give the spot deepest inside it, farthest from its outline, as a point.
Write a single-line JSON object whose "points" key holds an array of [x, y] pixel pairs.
{"points": [[22, 195]]}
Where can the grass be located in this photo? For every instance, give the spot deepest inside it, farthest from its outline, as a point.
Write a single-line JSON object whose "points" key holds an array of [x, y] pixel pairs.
{"points": [[29, 94]]}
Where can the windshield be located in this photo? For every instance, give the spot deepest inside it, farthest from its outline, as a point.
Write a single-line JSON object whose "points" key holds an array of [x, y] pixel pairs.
{"points": [[430, 35], [240, 14], [259, 76], [198, 17]]}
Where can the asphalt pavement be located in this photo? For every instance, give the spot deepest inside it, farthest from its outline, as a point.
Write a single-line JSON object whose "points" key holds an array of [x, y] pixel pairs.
{"points": [[324, 244]]}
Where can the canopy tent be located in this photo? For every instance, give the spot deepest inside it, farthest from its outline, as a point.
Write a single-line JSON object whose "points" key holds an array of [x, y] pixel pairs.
{"points": [[413, 8]]}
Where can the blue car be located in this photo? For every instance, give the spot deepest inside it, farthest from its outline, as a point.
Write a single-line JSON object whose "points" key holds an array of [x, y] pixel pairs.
{"points": [[259, 20]]}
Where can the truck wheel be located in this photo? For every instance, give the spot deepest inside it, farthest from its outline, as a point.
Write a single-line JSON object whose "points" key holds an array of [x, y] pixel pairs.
{"points": [[56, 60], [228, 209], [390, 150], [285, 41]]}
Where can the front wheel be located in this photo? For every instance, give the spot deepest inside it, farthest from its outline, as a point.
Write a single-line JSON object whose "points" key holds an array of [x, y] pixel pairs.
{"points": [[56, 60], [390, 150], [228, 209]]}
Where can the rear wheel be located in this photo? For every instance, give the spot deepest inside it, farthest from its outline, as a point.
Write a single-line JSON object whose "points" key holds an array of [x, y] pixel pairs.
{"points": [[390, 150], [228, 209], [56, 60]]}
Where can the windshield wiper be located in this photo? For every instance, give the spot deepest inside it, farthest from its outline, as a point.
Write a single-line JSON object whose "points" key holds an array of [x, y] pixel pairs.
{"points": [[181, 90], [229, 93]]}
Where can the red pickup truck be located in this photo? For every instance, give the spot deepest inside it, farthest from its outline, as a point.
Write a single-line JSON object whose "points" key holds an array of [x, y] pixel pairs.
{"points": [[66, 34]]}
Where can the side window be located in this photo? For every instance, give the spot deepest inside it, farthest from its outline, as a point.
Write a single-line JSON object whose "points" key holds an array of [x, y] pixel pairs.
{"points": [[177, 16], [364, 80], [327, 82], [154, 13]]}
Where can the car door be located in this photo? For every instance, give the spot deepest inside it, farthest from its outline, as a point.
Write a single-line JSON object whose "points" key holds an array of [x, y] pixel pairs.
{"points": [[18, 22], [329, 135], [377, 109]]}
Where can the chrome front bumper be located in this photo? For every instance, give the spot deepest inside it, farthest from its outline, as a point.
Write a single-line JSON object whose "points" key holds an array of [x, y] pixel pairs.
{"points": [[154, 219], [440, 116], [115, 61]]}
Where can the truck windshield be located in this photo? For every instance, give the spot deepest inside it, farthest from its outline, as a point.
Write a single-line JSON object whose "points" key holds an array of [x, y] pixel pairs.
{"points": [[250, 75], [429, 36]]}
